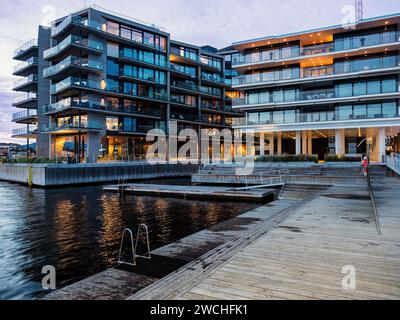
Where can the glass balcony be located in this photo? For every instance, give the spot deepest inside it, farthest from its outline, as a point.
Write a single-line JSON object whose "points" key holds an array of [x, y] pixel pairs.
{"points": [[25, 131], [294, 96], [292, 117], [145, 57], [73, 40], [70, 62], [25, 65], [102, 86], [26, 97], [96, 106], [185, 85], [75, 124], [213, 78], [338, 45], [25, 81], [25, 47], [342, 67], [184, 70], [24, 114]]}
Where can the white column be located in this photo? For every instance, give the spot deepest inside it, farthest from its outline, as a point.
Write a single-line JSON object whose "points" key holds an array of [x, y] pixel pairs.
{"points": [[271, 144], [340, 141], [262, 144], [310, 143], [381, 144], [304, 143], [279, 144], [298, 142]]}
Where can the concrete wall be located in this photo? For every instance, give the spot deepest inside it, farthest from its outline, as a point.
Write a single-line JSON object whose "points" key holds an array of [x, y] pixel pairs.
{"points": [[47, 175], [43, 146]]}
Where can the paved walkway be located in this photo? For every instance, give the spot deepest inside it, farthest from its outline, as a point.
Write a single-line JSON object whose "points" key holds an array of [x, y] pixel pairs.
{"points": [[304, 256]]}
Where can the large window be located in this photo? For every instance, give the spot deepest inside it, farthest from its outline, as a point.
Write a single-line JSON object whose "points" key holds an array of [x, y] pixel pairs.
{"points": [[113, 28], [112, 123], [112, 49], [112, 68]]}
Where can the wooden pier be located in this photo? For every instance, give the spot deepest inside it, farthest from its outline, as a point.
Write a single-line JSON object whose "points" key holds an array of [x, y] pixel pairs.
{"points": [[194, 192], [303, 256]]}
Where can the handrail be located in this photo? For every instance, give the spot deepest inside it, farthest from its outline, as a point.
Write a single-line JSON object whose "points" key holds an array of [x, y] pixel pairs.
{"points": [[134, 245], [120, 261], [373, 199]]}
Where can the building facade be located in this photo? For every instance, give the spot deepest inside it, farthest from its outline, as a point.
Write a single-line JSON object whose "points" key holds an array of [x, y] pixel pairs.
{"points": [[325, 91], [96, 83]]}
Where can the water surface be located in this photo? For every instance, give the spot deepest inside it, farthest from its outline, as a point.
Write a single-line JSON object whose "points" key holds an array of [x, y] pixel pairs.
{"points": [[78, 230]]}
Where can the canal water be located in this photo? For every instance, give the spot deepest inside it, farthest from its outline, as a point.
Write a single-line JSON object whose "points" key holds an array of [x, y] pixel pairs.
{"points": [[77, 230]]}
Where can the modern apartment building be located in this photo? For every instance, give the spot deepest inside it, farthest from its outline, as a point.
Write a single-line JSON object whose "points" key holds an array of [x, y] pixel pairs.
{"points": [[98, 82], [95, 83], [322, 91]]}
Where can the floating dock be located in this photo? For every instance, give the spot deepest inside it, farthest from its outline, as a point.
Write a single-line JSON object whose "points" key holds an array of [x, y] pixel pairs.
{"points": [[194, 192]]}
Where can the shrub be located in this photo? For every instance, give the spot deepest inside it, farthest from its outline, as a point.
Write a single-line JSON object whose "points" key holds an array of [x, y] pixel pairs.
{"points": [[288, 158], [341, 158]]}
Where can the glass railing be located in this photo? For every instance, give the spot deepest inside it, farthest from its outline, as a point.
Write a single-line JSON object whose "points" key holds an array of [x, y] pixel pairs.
{"points": [[96, 85], [75, 124], [324, 116], [183, 69], [25, 47], [293, 97], [386, 62], [213, 78], [23, 65], [25, 97], [73, 40], [72, 61], [128, 54], [26, 80], [185, 85], [185, 117], [24, 114], [336, 46], [24, 131], [211, 91], [93, 105], [179, 100]]}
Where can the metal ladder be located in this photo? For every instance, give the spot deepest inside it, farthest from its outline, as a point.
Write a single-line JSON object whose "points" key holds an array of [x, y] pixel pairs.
{"points": [[134, 245]]}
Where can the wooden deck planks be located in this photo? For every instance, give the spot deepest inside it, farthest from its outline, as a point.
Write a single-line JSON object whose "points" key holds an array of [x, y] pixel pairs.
{"points": [[303, 257]]}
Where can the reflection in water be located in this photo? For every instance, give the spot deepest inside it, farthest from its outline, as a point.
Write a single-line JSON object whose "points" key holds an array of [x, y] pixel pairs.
{"points": [[78, 230]]}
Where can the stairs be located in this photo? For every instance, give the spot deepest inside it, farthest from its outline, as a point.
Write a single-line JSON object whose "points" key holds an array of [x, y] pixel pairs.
{"points": [[300, 191]]}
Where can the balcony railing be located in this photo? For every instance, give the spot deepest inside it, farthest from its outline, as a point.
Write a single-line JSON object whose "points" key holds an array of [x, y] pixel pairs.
{"points": [[24, 131], [26, 80], [303, 96], [25, 47], [96, 85], [336, 46], [183, 70], [75, 125], [24, 114], [23, 65], [93, 105], [129, 55], [25, 97], [72, 61], [73, 40], [213, 78], [386, 62], [313, 117], [186, 86]]}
